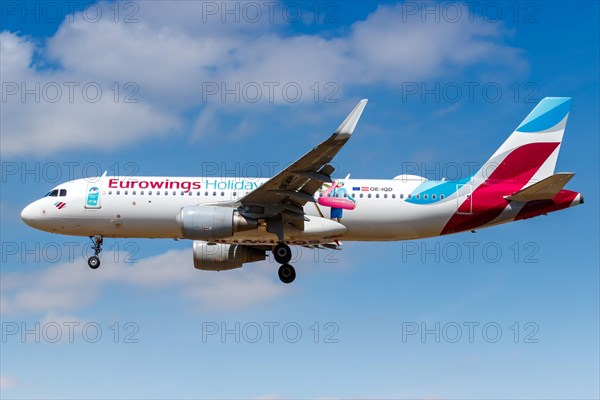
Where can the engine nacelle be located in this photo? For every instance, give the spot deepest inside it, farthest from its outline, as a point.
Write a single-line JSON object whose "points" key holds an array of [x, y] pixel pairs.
{"points": [[211, 222], [219, 256]]}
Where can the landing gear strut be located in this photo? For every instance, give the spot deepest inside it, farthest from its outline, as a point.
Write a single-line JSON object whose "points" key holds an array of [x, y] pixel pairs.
{"points": [[283, 255], [94, 261]]}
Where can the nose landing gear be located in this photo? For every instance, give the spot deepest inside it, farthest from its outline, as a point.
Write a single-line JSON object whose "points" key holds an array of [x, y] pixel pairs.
{"points": [[94, 261], [283, 255]]}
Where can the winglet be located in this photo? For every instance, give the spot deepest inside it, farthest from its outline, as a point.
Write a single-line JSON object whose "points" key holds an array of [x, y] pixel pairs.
{"points": [[347, 127]]}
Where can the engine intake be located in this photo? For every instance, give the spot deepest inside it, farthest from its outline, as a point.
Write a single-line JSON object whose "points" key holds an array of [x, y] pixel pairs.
{"points": [[219, 257], [211, 222]]}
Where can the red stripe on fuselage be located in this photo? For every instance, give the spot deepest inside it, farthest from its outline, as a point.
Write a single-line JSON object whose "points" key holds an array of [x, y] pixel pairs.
{"points": [[509, 177]]}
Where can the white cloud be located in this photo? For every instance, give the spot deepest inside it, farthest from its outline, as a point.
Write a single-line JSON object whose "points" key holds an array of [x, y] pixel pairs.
{"points": [[69, 287], [172, 53], [47, 111]]}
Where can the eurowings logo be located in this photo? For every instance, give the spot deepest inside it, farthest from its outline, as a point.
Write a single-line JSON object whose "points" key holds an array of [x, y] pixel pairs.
{"points": [[60, 205]]}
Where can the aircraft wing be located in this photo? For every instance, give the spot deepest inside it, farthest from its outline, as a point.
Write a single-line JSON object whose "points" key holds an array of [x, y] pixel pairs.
{"points": [[545, 189], [296, 185]]}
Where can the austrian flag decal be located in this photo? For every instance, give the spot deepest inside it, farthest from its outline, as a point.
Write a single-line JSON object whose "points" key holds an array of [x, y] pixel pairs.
{"points": [[60, 205]]}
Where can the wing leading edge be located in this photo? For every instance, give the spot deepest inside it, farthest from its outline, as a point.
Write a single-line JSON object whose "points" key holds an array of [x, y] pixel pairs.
{"points": [[281, 199], [298, 183]]}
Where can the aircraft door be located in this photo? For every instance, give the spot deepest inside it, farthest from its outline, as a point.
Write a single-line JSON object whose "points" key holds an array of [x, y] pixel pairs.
{"points": [[464, 199]]}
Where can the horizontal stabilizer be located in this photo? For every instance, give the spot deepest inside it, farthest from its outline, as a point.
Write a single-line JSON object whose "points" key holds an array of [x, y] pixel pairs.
{"points": [[545, 189]]}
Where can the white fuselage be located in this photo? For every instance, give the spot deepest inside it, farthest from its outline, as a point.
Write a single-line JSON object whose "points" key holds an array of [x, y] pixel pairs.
{"points": [[147, 207]]}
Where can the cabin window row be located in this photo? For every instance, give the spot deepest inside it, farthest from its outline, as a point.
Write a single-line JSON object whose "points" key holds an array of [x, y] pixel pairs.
{"points": [[393, 196], [235, 194]]}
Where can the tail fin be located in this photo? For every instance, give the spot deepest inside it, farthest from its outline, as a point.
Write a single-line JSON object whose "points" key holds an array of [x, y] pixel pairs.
{"points": [[530, 153]]}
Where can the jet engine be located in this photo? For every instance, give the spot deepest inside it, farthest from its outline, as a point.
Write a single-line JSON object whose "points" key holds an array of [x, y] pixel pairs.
{"points": [[219, 256], [211, 222]]}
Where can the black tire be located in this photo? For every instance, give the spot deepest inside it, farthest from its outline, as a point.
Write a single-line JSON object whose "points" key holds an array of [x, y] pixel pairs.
{"points": [[287, 273], [282, 253], [93, 262]]}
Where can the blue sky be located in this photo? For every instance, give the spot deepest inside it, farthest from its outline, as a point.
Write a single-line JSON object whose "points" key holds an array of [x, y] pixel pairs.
{"points": [[446, 84]]}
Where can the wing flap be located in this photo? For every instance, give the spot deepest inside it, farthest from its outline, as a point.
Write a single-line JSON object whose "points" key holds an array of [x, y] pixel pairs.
{"points": [[545, 189]]}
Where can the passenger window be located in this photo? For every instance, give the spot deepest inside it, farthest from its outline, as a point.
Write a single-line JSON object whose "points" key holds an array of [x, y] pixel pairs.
{"points": [[206, 193], [385, 196], [425, 196], [118, 192], [63, 192], [215, 194], [166, 193], [393, 196], [133, 193], [369, 195], [377, 195], [142, 192], [441, 196], [433, 196], [234, 194], [222, 194], [409, 195], [361, 195], [418, 196], [126, 192], [174, 192]]}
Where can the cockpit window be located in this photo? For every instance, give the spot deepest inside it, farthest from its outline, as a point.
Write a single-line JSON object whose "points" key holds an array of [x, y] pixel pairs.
{"points": [[53, 193], [63, 192]]}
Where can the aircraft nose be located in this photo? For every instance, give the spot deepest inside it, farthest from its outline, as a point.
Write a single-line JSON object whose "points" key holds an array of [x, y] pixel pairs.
{"points": [[28, 214]]}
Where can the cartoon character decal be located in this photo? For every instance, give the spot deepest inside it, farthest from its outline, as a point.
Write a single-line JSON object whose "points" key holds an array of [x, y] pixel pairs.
{"points": [[337, 197], [92, 197]]}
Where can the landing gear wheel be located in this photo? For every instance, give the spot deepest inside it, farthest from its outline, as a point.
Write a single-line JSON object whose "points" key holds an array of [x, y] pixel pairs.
{"points": [[287, 273], [93, 262], [282, 253]]}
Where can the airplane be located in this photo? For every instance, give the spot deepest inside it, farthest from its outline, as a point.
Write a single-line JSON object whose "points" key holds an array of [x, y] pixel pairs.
{"points": [[233, 221]]}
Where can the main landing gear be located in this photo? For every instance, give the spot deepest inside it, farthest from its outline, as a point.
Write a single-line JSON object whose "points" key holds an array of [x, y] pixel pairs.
{"points": [[94, 261], [283, 255]]}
